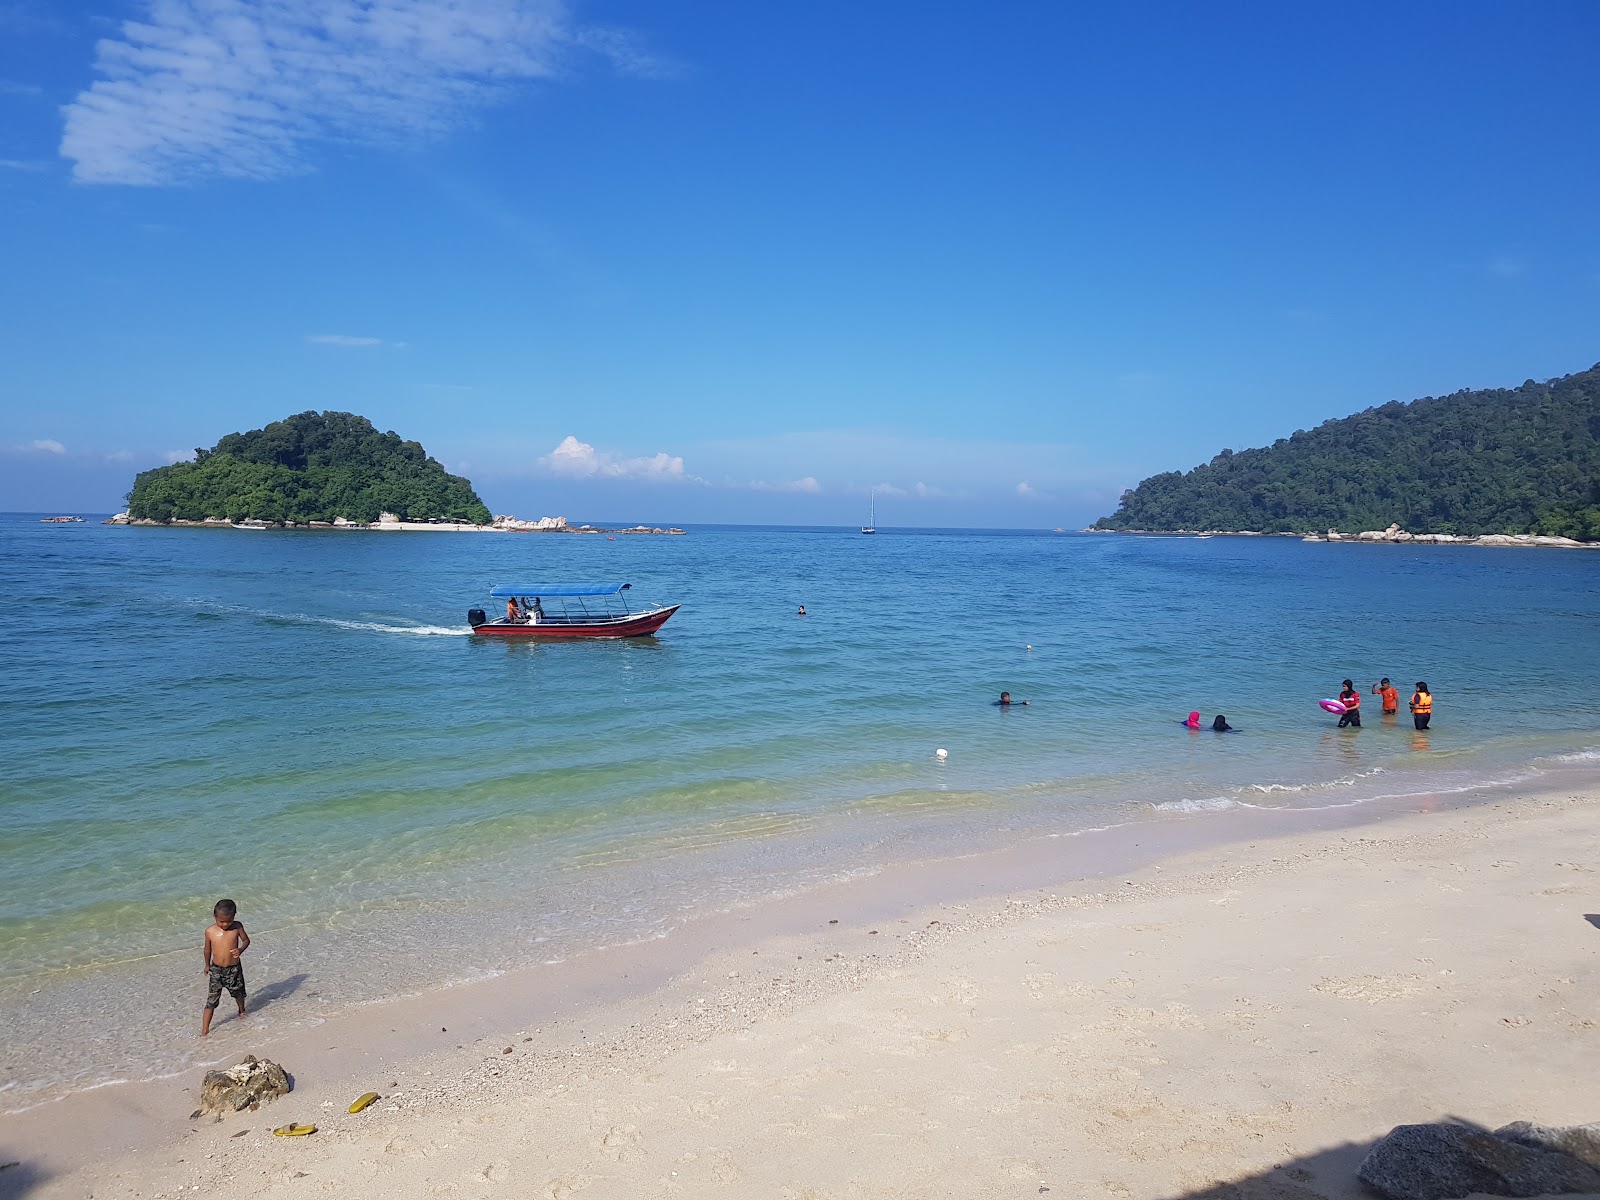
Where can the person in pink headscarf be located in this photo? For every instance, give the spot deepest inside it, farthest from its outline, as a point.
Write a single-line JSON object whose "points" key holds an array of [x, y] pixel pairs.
{"points": [[1193, 722]]}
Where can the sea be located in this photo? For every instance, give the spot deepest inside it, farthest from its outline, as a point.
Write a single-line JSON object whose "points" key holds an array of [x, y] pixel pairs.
{"points": [[301, 721]]}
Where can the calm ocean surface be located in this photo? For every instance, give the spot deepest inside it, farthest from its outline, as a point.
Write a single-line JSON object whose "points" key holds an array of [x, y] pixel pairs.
{"points": [[300, 721]]}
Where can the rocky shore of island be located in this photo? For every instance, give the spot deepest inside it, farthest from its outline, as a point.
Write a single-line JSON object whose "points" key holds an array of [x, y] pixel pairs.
{"points": [[1392, 534], [390, 522]]}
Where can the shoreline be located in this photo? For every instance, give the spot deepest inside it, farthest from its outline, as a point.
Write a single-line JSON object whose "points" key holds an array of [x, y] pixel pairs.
{"points": [[660, 1000], [500, 525], [1391, 536]]}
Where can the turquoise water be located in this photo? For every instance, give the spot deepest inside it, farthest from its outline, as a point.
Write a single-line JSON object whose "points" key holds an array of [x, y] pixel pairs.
{"points": [[300, 721]]}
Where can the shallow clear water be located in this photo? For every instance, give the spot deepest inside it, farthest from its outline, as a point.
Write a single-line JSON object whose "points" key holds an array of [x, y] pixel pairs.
{"points": [[300, 721]]}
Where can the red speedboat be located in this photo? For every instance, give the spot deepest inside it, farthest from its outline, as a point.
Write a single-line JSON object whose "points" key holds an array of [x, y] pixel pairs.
{"points": [[550, 610]]}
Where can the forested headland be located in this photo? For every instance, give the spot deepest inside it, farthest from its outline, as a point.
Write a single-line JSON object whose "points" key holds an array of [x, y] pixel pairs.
{"points": [[1519, 460], [308, 467]]}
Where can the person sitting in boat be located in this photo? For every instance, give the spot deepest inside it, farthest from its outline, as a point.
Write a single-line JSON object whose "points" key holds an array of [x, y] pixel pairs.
{"points": [[536, 613], [513, 613]]}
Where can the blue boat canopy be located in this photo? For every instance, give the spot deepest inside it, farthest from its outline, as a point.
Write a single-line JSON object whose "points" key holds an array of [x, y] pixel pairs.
{"points": [[504, 591]]}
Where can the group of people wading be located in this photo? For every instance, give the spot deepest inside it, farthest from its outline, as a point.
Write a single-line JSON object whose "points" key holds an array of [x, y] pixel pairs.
{"points": [[1421, 703]]}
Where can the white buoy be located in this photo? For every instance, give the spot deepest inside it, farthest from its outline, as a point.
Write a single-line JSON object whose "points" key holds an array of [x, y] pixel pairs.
{"points": [[941, 752]]}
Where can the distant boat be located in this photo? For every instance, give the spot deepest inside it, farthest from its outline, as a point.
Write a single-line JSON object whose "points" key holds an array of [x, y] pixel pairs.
{"points": [[872, 513]]}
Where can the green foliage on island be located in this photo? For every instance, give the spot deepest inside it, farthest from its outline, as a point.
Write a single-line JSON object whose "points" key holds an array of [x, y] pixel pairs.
{"points": [[1521, 460], [308, 467]]}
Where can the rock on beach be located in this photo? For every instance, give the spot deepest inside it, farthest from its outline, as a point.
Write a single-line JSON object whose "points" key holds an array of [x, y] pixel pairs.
{"points": [[253, 1081]]}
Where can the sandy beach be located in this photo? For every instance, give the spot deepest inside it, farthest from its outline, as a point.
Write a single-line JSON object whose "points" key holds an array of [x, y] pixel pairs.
{"points": [[1085, 1016]]}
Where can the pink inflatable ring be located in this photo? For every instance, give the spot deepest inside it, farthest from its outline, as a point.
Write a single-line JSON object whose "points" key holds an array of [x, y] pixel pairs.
{"points": [[1333, 706]]}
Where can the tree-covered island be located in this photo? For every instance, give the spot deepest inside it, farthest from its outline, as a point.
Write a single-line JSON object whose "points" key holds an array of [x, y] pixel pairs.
{"points": [[1506, 461], [308, 467]]}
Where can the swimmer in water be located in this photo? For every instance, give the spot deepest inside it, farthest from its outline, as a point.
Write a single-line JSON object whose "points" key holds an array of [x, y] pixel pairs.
{"points": [[802, 611], [1006, 701], [1220, 724], [1193, 722]]}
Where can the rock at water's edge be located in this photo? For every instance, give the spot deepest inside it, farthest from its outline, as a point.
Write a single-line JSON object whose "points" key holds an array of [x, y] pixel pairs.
{"points": [[1447, 1162], [253, 1081]]}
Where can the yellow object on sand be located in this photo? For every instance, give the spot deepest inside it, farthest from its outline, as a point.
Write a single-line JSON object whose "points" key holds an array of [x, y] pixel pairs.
{"points": [[293, 1130], [363, 1100]]}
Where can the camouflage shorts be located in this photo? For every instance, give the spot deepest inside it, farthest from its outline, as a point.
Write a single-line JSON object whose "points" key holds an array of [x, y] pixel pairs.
{"points": [[221, 977]]}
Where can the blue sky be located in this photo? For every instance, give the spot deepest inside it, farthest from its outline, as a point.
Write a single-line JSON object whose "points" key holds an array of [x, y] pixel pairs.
{"points": [[743, 262]]}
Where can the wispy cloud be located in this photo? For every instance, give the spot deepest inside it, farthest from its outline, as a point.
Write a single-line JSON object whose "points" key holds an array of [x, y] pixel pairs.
{"points": [[178, 456], [1506, 265], [1027, 491], [10, 87], [347, 341], [573, 459], [46, 446], [246, 88], [808, 485], [120, 456], [22, 164]]}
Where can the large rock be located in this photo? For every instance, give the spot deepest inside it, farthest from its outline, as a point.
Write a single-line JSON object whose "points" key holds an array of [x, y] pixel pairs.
{"points": [[1580, 1141], [254, 1081], [1447, 1162]]}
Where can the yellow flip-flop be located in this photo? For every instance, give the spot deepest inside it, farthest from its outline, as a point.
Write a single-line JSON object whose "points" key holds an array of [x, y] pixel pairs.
{"points": [[363, 1100], [293, 1130]]}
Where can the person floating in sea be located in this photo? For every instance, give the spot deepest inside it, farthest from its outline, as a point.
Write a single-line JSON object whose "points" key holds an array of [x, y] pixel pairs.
{"points": [[1006, 701], [224, 942], [1351, 699], [1391, 698], [802, 611], [1421, 706], [1219, 723], [1192, 721]]}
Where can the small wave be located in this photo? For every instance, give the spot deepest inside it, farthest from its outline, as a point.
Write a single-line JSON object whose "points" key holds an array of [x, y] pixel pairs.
{"points": [[1582, 756], [1267, 789], [1208, 805]]}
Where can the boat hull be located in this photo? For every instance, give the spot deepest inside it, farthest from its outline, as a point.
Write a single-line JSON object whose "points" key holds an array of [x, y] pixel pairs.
{"points": [[635, 625]]}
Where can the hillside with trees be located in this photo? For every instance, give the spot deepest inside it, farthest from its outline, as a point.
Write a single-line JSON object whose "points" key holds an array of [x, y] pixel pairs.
{"points": [[1520, 460], [308, 467]]}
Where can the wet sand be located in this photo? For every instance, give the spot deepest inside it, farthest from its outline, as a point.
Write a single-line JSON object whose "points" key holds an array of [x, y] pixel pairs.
{"points": [[1245, 997]]}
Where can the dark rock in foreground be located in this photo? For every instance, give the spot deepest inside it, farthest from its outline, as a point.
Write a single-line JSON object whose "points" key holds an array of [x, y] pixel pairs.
{"points": [[1448, 1162], [254, 1081]]}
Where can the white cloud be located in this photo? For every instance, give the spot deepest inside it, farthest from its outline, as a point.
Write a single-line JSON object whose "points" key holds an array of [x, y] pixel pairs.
{"points": [[244, 88], [923, 492], [1027, 491], [344, 339], [580, 460], [120, 456], [888, 489], [177, 456], [808, 485], [10, 87], [22, 164], [46, 446]]}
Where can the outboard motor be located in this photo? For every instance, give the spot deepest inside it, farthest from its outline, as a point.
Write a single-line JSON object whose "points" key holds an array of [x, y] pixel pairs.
{"points": [[476, 617]]}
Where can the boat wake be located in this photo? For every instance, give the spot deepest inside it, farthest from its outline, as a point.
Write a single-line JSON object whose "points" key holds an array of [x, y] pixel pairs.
{"points": [[215, 612]]}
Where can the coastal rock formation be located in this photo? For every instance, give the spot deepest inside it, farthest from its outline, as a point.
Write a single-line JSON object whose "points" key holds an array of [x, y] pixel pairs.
{"points": [[1395, 534], [254, 1081], [1446, 1162], [542, 525]]}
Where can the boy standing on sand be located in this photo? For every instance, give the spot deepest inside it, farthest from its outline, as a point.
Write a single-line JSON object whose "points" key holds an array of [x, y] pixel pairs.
{"points": [[225, 941]]}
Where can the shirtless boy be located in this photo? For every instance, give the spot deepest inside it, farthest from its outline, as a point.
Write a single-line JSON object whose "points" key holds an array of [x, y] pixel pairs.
{"points": [[225, 941]]}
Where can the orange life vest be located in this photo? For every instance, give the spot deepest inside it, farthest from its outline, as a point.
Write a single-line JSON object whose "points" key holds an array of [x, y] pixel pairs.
{"points": [[1422, 703]]}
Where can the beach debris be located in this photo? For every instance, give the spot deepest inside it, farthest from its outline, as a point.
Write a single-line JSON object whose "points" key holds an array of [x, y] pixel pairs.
{"points": [[293, 1130], [241, 1133], [247, 1085], [364, 1100], [1447, 1161], [507, 1050]]}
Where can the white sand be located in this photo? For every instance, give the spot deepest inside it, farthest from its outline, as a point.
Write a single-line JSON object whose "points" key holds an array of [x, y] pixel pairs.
{"points": [[1256, 1013]]}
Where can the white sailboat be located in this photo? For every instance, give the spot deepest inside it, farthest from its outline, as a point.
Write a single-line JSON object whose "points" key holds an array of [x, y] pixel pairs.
{"points": [[872, 513]]}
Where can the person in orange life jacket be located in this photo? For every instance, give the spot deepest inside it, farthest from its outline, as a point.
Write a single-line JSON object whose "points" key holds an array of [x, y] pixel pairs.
{"points": [[1421, 706], [1351, 699], [1391, 698]]}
